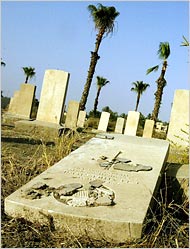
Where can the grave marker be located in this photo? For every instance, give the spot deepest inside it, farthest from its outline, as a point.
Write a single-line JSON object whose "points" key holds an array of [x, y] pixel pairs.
{"points": [[132, 123], [21, 103], [133, 190], [81, 119], [53, 96], [119, 125], [103, 123], [72, 114], [178, 131], [148, 128]]}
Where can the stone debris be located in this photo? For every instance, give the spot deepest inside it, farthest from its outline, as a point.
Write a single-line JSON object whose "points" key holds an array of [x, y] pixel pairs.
{"points": [[95, 195], [96, 183], [132, 167], [104, 136], [68, 189], [37, 191]]}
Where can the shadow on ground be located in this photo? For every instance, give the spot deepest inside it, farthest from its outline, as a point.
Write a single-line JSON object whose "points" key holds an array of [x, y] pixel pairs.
{"points": [[25, 141]]}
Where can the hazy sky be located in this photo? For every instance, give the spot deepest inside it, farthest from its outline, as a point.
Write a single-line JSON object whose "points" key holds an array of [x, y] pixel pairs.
{"points": [[60, 35]]}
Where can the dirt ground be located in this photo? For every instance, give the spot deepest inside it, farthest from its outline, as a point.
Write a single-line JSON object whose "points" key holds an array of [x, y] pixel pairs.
{"points": [[25, 155]]}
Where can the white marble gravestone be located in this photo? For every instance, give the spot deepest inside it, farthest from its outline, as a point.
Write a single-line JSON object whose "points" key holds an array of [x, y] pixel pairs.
{"points": [[133, 190], [103, 123], [72, 114], [119, 125], [53, 95], [148, 128], [178, 130], [132, 123]]}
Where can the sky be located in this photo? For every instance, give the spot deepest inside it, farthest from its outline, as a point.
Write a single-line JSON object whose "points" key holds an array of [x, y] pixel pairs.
{"points": [[60, 35]]}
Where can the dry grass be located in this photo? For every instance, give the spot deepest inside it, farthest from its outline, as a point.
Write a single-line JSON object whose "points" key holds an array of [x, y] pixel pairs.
{"points": [[24, 156]]}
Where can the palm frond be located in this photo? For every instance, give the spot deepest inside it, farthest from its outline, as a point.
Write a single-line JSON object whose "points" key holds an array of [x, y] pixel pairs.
{"points": [[185, 43], [164, 50], [155, 68]]}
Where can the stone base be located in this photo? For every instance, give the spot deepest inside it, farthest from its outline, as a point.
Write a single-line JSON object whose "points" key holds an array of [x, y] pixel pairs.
{"points": [[180, 173], [120, 222], [44, 129], [9, 118]]}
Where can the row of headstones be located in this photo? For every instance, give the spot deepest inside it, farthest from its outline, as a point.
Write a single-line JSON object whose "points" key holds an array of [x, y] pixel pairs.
{"points": [[52, 102], [52, 98], [131, 124], [76, 118]]}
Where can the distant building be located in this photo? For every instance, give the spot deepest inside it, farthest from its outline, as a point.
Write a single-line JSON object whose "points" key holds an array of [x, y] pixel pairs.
{"points": [[160, 127]]}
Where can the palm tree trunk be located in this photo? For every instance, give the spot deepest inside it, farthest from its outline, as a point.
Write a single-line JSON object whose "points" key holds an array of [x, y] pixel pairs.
{"points": [[96, 100], [138, 99], [26, 79], [161, 83], [93, 62]]}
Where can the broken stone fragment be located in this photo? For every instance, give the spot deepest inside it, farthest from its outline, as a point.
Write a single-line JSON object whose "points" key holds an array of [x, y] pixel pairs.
{"points": [[123, 160], [104, 164], [104, 136], [39, 185], [131, 167], [68, 189], [96, 183], [104, 201]]}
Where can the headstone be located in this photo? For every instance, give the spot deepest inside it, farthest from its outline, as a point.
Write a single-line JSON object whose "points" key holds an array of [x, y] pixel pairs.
{"points": [[148, 128], [129, 193], [53, 96], [103, 123], [132, 123], [119, 125], [21, 103], [178, 131], [72, 114], [81, 119]]}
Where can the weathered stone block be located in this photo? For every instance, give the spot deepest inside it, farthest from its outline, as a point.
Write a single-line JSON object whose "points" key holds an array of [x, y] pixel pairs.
{"points": [[103, 123], [148, 128], [53, 96], [132, 123], [72, 114], [119, 125], [133, 190], [81, 119], [178, 131]]}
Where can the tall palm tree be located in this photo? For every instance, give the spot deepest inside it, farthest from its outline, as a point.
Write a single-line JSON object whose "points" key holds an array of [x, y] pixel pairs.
{"points": [[139, 88], [103, 18], [164, 53], [100, 83], [29, 72], [185, 42]]}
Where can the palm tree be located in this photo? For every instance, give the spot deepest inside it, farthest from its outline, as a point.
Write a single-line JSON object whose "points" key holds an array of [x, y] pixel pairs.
{"points": [[185, 42], [29, 72], [139, 88], [103, 18], [100, 83], [164, 53]]}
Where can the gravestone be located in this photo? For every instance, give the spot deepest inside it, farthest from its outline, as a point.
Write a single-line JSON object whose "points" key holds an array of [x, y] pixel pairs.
{"points": [[103, 123], [21, 103], [72, 114], [178, 131], [148, 128], [44, 196], [81, 119], [132, 123], [119, 125], [53, 96]]}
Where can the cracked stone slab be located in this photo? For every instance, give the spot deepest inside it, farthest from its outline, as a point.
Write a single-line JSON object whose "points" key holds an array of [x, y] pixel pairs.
{"points": [[133, 190]]}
